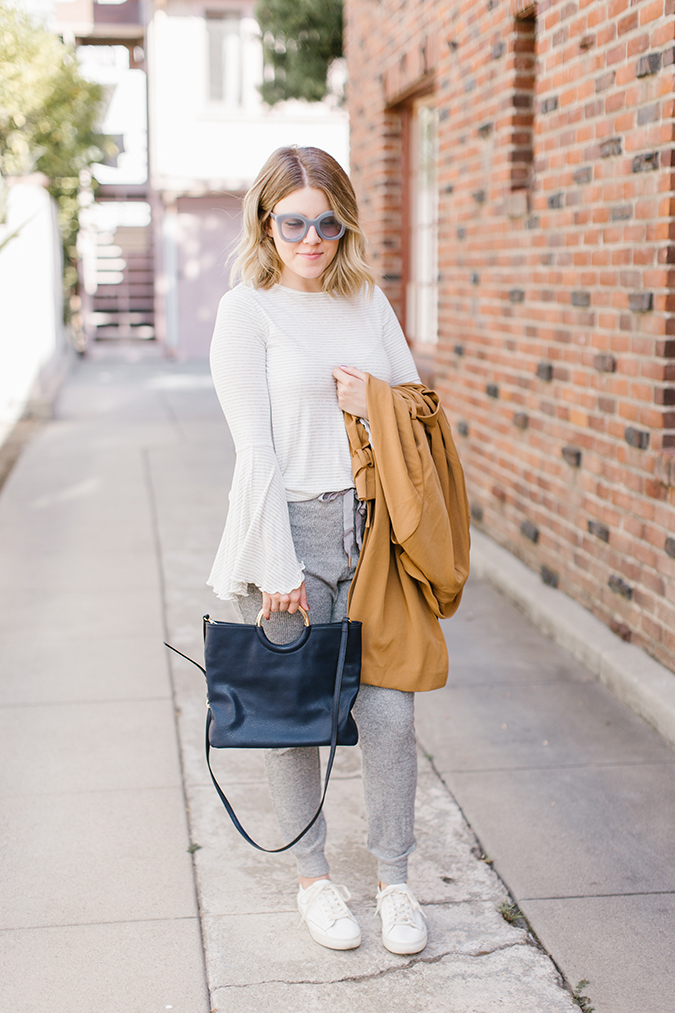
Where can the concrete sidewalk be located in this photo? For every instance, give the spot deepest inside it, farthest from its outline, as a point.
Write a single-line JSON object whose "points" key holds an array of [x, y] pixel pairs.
{"points": [[99, 908], [112, 898]]}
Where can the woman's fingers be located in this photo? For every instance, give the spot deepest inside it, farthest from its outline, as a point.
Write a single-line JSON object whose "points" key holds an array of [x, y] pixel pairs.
{"points": [[285, 602], [351, 390], [298, 598], [274, 603], [266, 604], [353, 371], [349, 376]]}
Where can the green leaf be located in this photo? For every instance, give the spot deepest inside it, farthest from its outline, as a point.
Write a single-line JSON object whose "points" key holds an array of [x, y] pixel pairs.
{"points": [[300, 39], [49, 116]]}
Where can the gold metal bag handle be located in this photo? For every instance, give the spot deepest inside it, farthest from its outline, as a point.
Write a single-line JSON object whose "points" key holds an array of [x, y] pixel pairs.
{"points": [[258, 621]]}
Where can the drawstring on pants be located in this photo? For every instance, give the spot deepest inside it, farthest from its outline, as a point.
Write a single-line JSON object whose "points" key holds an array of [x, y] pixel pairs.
{"points": [[353, 513]]}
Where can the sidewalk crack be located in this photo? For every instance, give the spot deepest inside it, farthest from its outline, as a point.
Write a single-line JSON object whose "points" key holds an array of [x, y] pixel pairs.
{"points": [[385, 972]]}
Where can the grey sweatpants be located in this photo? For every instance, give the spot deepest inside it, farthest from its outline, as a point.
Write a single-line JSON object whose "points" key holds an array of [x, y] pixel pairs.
{"points": [[385, 717]]}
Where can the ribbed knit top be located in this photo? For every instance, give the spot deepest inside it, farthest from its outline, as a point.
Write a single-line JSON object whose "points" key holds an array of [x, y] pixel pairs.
{"points": [[272, 357]]}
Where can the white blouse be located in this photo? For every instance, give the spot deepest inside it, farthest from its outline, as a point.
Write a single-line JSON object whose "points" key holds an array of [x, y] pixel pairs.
{"points": [[272, 358]]}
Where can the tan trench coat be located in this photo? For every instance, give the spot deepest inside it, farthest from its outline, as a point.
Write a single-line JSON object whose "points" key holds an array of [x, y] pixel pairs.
{"points": [[415, 556]]}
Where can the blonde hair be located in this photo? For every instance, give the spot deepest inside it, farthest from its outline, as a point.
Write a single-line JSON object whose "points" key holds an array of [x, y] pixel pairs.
{"points": [[288, 169]]}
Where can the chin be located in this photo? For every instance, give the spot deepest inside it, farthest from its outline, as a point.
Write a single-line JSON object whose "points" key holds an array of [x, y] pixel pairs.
{"points": [[314, 271]]}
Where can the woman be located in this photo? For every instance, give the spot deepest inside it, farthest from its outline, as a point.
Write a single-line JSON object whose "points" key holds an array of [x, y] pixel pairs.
{"points": [[291, 348]]}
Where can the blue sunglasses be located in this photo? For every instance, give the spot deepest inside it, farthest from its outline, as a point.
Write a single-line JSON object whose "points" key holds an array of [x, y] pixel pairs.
{"points": [[293, 228]]}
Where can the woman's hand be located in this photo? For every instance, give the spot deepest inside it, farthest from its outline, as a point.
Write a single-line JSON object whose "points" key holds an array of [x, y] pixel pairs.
{"points": [[285, 602], [351, 390]]}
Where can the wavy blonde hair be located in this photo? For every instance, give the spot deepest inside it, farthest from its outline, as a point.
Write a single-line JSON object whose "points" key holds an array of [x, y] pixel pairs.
{"points": [[255, 258]]}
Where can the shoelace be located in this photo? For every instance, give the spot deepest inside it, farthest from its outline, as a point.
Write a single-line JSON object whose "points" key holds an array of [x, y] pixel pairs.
{"points": [[332, 900], [403, 903]]}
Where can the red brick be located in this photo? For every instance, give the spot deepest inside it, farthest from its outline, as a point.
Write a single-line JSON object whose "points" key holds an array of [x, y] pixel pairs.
{"points": [[583, 245], [663, 33], [627, 24], [651, 12], [637, 45]]}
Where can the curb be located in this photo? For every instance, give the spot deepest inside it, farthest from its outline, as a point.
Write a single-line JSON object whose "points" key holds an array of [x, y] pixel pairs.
{"points": [[640, 682]]}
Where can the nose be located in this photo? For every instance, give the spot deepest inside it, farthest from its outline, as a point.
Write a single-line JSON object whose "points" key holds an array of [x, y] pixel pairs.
{"points": [[312, 236]]}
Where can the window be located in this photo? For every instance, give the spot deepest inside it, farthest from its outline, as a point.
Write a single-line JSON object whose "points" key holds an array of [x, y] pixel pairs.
{"points": [[422, 284], [225, 58], [524, 85]]}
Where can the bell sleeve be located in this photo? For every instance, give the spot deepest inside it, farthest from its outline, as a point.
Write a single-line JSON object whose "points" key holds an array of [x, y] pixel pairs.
{"points": [[257, 546]]}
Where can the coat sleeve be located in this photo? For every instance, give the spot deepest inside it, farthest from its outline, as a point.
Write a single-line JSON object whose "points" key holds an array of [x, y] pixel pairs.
{"points": [[423, 489]]}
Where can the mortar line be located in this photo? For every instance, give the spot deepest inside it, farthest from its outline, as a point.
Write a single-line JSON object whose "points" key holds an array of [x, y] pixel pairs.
{"points": [[107, 921], [564, 766], [154, 519], [593, 896], [521, 684], [364, 906], [83, 702]]}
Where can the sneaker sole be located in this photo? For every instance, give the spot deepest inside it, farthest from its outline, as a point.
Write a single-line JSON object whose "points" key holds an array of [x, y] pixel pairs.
{"points": [[403, 949], [331, 943]]}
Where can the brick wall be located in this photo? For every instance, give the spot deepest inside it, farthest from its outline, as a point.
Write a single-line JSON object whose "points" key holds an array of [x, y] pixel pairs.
{"points": [[556, 354]]}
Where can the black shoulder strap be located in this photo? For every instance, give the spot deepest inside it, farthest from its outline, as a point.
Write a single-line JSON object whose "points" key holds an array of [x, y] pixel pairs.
{"points": [[335, 713]]}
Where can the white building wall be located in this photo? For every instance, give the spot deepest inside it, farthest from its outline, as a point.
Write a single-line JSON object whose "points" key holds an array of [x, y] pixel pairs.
{"points": [[32, 340], [199, 144]]}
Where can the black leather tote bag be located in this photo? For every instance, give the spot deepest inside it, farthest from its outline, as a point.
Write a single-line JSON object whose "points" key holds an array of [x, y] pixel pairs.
{"points": [[263, 695]]}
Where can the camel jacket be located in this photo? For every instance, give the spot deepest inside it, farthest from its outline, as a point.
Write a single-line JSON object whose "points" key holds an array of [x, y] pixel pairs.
{"points": [[414, 560]]}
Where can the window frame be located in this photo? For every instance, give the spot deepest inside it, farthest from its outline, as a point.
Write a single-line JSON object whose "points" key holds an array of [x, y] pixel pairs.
{"points": [[411, 254], [234, 14]]}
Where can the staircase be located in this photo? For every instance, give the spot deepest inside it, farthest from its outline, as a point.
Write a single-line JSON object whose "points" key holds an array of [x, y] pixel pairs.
{"points": [[123, 304]]}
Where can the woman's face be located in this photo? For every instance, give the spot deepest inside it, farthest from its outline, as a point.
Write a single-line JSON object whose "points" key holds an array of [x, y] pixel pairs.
{"points": [[303, 262]]}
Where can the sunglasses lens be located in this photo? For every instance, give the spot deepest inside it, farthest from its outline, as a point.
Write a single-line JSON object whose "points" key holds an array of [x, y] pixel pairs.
{"points": [[292, 229], [330, 228]]}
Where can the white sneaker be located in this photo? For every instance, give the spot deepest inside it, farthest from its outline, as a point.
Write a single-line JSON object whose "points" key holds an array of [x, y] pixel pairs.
{"points": [[403, 928], [329, 920]]}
